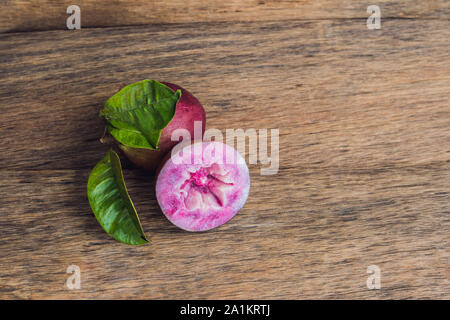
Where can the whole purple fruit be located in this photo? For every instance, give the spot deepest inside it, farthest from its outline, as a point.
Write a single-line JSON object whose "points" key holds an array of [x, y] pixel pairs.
{"points": [[188, 110]]}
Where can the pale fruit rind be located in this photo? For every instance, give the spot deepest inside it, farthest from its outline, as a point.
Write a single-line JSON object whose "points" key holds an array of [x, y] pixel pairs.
{"points": [[203, 186]]}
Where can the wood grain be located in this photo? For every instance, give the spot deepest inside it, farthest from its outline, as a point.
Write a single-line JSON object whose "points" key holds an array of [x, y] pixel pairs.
{"points": [[19, 15], [364, 160]]}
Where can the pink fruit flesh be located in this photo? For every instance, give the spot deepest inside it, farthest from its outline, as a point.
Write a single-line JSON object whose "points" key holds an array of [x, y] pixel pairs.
{"points": [[199, 188], [188, 110]]}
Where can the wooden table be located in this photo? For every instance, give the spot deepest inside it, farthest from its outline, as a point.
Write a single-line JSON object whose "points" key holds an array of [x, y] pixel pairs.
{"points": [[364, 122]]}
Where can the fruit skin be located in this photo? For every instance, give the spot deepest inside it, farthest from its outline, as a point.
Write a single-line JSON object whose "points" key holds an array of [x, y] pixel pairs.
{"points": [[202, 196], [187, 111]]}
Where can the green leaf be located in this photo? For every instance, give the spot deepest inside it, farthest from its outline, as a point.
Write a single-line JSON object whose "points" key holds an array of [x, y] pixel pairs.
{"points": [[111, 203], [138, 113]]}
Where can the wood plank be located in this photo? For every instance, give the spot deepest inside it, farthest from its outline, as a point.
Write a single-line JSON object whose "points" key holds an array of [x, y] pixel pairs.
{"points": [[303, 243], [20, 15], [336, 76], [364, 160]]}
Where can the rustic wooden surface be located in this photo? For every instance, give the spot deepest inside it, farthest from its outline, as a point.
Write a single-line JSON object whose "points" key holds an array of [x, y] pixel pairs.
{"points": [[19, 15], [364, 175]]}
